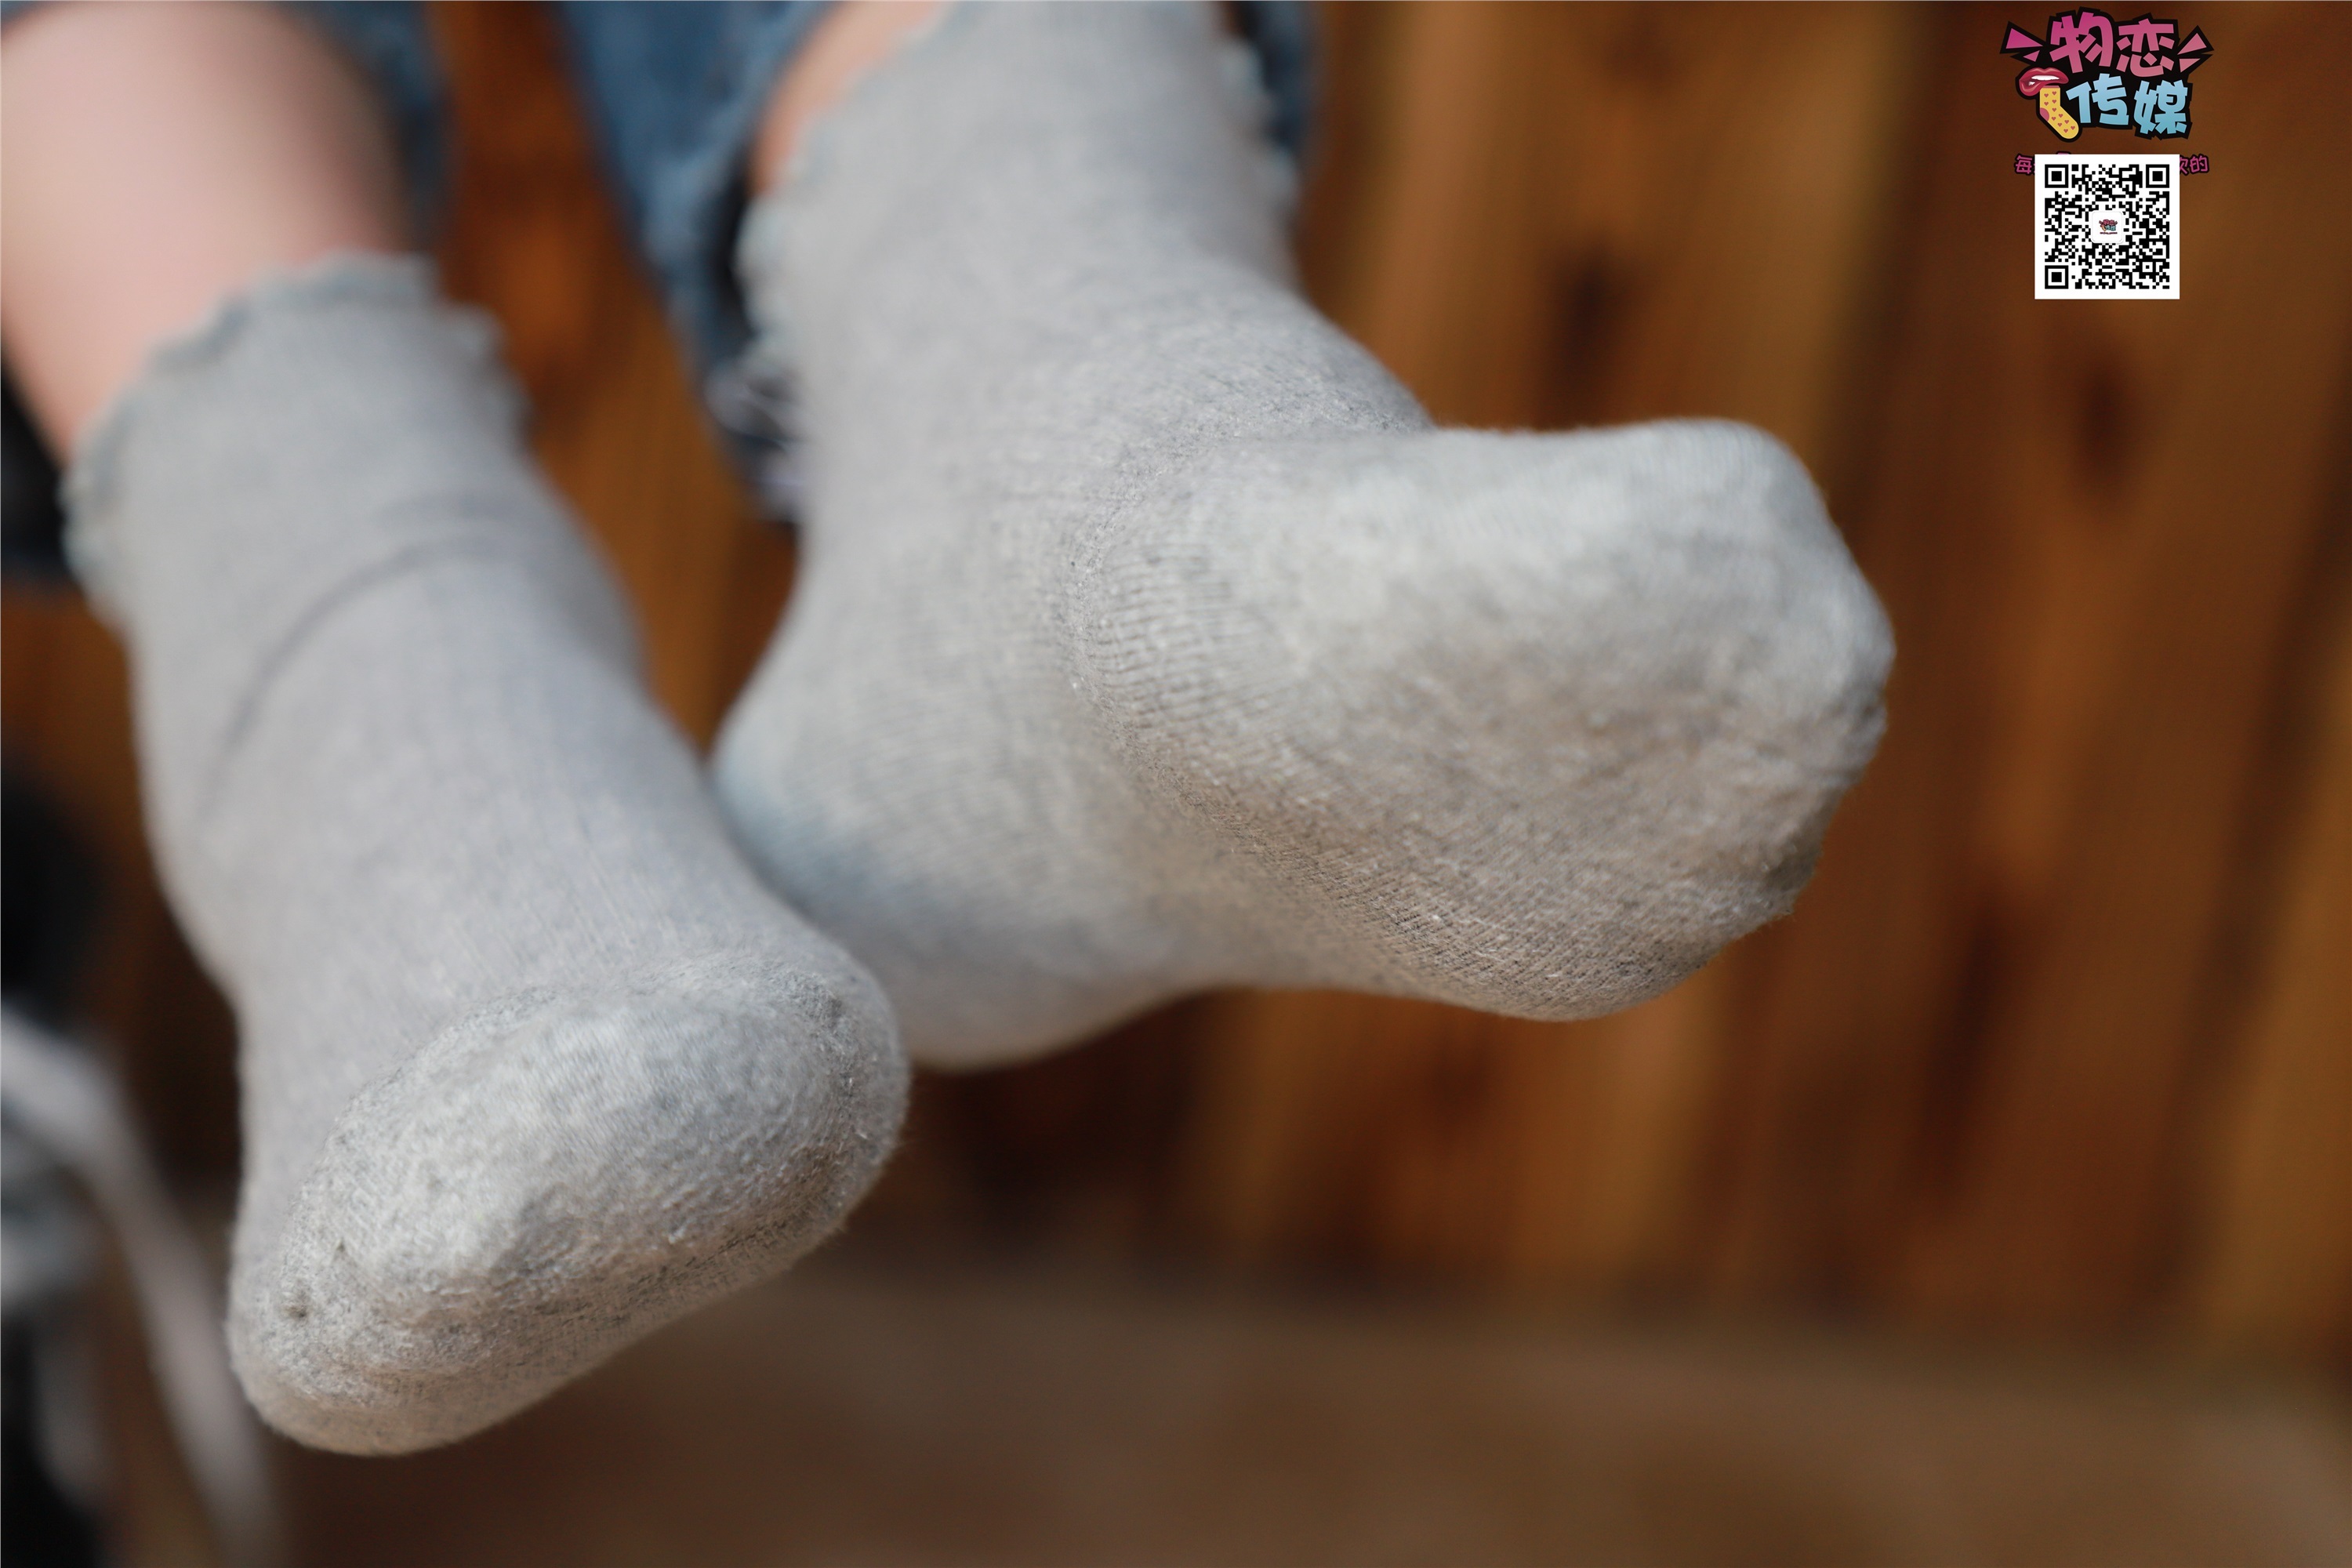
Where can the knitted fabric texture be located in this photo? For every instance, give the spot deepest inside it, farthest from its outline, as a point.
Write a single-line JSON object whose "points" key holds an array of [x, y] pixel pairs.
{"points": [[1148, 637], [532, 1062]]}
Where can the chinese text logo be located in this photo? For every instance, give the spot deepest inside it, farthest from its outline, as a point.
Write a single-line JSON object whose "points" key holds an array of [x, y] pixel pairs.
{"points": [[2097, 71]]}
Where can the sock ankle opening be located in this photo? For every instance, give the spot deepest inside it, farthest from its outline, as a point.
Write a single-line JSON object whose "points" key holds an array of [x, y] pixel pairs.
{"points": [[339, 277]]}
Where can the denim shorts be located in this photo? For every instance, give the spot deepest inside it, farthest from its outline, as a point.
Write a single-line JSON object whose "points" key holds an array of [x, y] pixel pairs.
{"points": [[674, 89]]}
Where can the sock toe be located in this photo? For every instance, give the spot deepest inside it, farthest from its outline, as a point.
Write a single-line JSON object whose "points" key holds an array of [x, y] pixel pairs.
{"points": [[553, 1176]]}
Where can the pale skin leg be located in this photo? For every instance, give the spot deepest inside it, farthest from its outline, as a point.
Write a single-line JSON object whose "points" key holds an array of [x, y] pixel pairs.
{"points": [[159, 158], [853, 36]]}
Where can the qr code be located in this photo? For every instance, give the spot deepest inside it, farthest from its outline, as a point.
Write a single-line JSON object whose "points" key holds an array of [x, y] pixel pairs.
{"points": [[2107, 226]]}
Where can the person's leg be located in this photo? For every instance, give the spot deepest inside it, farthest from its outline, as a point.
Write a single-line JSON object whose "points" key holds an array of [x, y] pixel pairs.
{"points": [[853, 39], [1148, 637], [692, 98], [157, 160], [531, 1063]]}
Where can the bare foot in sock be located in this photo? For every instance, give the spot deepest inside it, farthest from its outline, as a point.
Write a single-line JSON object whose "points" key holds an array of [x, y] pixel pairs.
{"points": [[531, 1063], [1148, 637]]}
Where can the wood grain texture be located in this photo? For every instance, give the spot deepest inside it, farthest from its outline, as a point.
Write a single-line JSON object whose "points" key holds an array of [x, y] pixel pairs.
{"points": [[2057, 1042], [1973, 1081], [1997, 1016], [2268, 1253]]}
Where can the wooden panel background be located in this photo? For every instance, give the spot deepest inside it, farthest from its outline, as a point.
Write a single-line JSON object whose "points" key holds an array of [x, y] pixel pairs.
{"points": [[2059, 1042]]}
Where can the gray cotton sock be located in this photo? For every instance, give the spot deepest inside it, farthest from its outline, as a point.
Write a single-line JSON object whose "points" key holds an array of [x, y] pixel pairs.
{"points": [[1148, 637], [532, 1062]]}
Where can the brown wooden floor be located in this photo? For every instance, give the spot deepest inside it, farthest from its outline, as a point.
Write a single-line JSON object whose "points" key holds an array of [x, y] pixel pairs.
{"points": [[882, 1407]]}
